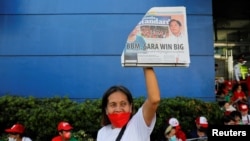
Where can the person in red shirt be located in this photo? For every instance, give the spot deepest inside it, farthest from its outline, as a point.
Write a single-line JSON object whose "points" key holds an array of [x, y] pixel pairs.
{"points": [[239, 96], [64, 129]]}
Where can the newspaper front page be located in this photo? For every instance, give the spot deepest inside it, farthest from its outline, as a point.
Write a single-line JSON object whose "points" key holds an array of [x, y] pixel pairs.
{"points": [[159, 39]]}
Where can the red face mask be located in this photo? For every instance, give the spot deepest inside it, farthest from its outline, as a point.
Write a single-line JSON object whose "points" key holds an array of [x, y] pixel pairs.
{"points": [[119, 120], [67, 135]]}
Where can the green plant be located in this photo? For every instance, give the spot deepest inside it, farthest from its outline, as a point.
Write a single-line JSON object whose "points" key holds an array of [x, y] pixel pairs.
{"points": [[41, 116]]}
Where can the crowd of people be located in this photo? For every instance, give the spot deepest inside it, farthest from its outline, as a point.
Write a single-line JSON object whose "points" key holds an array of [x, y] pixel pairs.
{"points": [[234, 96], [234, 100], [173, 32], [234, 103], [154, 31], [17, 132], [172, 130]]}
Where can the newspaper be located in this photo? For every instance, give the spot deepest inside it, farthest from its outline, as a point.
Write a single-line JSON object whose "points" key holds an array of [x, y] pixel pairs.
{"points": [[159, 39]]}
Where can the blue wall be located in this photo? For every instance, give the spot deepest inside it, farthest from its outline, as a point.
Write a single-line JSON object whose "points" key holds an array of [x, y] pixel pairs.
{"points": [[72, 48]]}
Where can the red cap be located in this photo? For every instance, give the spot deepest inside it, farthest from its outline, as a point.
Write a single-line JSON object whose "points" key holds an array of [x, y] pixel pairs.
{"points": [[16, 128], [64, 126], [202, 121], [243, 107], [229, 84], [174, 123]]}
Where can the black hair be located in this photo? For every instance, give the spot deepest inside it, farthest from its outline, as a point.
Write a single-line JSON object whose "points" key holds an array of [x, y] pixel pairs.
{"points": [[241, 56], [112, 89], [236, 114], [227, 119], [174, 20]]}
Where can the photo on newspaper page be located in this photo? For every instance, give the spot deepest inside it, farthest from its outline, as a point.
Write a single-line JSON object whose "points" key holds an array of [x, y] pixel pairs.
{"points": [[159, 39]]}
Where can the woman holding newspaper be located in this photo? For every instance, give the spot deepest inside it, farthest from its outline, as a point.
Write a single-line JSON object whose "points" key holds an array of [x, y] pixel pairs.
{"points": [[118, 120]]}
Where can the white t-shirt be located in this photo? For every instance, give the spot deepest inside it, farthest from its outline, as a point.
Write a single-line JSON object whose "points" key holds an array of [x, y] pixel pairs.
{"points": [[136, 130], [26, 139], [177, 39], [237, 73], [246, 120]]}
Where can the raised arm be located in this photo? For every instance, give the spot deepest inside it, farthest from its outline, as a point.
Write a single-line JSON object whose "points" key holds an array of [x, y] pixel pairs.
{"points": [[153, 95]]}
